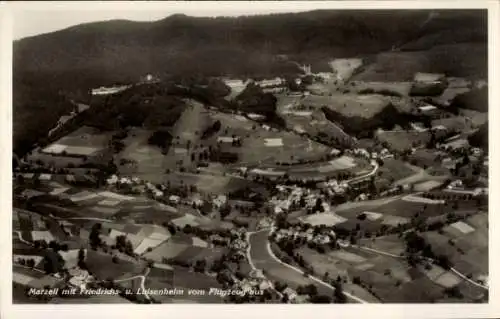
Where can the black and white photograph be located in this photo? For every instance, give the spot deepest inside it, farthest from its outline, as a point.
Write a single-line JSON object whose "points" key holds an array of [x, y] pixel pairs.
{"points": [[208, 153]]}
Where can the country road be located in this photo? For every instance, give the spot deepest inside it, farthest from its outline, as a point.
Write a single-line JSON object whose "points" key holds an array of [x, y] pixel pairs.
{"points": [[249, 258], [261, 256], [354, 179], [143, 280]]}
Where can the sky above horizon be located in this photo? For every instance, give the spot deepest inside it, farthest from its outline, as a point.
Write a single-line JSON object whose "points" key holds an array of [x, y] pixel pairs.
{"points": [[33, 19]]}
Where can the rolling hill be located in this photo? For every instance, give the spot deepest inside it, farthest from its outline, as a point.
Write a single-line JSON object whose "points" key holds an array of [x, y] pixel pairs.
{"points": [[73, 60]]}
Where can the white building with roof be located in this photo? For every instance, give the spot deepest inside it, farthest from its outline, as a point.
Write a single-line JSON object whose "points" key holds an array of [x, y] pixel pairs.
{"points": [[428, 77], [174, 199], [109, 90]]}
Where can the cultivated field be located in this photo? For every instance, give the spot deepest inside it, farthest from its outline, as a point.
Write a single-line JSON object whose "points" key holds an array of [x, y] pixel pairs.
{"points": [[401, 140], [328, 219], [183, 279], [391, 244], [207, 183], [187, 133], [401, 88], [308, 119], [259, 145], [336, 263], [349, 105], [466, 245], [102, 267], [394, 169], [147, 161], [72, 149], [272, 147]]}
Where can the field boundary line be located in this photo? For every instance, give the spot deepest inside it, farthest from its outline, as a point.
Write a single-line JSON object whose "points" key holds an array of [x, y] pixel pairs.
{"points": [[429, 259], [270, 252]]}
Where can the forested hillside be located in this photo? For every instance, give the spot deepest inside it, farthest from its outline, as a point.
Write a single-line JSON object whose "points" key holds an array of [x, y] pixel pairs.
{"points": [[51, 68]]}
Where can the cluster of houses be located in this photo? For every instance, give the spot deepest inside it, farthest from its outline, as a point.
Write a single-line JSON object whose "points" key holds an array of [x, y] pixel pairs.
{"points": [[255, 281], [334, 187], [137, 185], [457, 186], [363, 153], [287, 196], [79, 278], [293, 233]]}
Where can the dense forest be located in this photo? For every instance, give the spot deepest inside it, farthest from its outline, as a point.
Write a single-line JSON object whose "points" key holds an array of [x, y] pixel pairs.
{"points": [[386, 119]]}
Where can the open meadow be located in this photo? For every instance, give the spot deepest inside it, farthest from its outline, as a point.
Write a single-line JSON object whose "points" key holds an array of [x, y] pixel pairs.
{"points": [[86, 144], [349, 105]]}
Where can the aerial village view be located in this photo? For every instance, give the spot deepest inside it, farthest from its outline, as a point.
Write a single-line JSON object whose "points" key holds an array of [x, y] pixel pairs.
{"points": [[312, 157]]}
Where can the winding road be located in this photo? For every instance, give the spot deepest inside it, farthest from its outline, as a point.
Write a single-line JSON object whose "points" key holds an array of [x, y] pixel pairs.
{"points": [[355, 179], [250, 262], [143, 280], [261, 256]]}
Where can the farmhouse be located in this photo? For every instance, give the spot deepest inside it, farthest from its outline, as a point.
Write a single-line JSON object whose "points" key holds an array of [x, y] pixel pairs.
{"points": [[220, 200], [290, 293], [174, 199], [227, 139], [266, 83]]}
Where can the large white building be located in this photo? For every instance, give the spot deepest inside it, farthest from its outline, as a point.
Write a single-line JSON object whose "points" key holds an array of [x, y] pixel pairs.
{"points": [[109, 90]]}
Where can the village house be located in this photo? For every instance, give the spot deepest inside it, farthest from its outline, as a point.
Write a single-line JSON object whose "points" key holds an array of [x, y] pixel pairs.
{"points": [[219, 201], [79, 278], [456, 184], [290, 293], [109, 90], [174, 199], [266, 83], [228, 139]]}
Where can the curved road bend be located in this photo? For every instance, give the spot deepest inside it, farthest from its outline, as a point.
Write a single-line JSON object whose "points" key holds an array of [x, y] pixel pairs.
{"points": [[374, 170], [143, 280], [250, 262], [261, 255]]}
